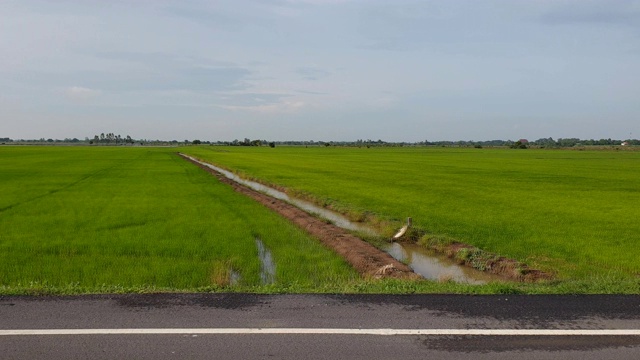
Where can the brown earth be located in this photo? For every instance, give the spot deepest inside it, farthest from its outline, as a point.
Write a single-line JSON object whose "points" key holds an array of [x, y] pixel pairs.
{"points": [[509, 268], [368, 260]]}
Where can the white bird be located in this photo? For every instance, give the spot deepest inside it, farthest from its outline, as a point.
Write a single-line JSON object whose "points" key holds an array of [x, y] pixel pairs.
{"points": [[403, 230]]}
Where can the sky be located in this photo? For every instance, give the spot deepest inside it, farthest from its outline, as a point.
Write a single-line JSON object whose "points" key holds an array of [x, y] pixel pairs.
{"points": [[322, 70]]}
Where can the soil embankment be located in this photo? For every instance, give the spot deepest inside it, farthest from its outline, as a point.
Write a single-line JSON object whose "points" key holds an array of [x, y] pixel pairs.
{"points": [[368, 260], [510, 269]]}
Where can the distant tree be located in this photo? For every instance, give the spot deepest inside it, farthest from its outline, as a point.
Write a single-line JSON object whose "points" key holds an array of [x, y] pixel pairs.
{"points": [[196, 142], [545, 142], [272, 144], [569, 142]]}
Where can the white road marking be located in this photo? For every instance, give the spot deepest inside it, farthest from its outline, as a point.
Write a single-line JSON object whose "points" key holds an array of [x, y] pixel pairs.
{"points": [[259, 331]]}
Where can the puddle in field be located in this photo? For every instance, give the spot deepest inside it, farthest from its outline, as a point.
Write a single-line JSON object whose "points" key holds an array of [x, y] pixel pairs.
{"points": [[421, 260], [437, 267], [234, 277], [267, 266]]}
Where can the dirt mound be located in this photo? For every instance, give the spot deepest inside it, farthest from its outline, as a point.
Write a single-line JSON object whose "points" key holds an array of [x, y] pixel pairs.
{"points": [[509, 268], [368, 260]]}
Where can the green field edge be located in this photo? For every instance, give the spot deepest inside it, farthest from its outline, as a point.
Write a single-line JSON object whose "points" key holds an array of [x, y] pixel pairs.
{"points": [[604, 285]]}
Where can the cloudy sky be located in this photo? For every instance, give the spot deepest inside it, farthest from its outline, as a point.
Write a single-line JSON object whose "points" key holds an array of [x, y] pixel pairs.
{"points": [[396, 70]]}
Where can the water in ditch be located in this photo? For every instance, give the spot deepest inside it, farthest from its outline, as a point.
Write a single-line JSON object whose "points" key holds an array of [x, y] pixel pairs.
{"points": [[437, 267], [267, 266], [234, 277], [421, 260], [335, 218]]}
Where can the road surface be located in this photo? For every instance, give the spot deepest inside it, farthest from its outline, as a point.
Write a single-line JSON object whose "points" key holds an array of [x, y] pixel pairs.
{"points": [[249, 326]]}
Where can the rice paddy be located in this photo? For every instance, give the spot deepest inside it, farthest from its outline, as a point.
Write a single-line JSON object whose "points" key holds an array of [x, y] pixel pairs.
{"points": [[112, 219], [121, 219], [572, 213]]}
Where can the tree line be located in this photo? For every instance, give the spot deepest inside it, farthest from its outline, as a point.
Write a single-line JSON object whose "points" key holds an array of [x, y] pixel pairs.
{"points": [[520, 143], [111, 138], [116, 139]]}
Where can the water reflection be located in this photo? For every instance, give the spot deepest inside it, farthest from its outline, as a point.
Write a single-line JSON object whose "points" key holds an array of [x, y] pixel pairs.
{"points": [[267, 266], [435, 267]]}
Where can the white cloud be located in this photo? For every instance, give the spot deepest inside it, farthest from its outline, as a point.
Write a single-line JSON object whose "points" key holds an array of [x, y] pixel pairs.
{"points": [[318, 2], [285, 107], [311, 63], [79, 93]]}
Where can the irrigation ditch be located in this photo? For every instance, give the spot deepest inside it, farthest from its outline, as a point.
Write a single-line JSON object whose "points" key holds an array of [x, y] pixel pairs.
{"points": [[403, 260]]}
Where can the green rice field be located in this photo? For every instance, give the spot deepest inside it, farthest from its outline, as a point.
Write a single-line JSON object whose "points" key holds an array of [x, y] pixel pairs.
{"points": [[80, 219], [575, 214], [124, 219]]}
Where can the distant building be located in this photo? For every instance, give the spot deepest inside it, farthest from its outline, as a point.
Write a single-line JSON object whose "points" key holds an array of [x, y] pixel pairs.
{"points": [[625, 143], [523, 141]]}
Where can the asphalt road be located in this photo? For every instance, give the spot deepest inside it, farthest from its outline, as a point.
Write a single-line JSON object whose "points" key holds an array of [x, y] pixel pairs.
{"points": [[221, 312]]}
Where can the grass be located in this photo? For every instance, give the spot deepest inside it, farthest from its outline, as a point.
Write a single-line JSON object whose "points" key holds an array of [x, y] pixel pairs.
{"points": [[137, 219], [574, 213], [120, 220]]}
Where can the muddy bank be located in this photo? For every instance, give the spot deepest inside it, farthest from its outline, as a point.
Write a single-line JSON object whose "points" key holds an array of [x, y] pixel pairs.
{"points": [[368, 260], [437, 266], [476, 258]]}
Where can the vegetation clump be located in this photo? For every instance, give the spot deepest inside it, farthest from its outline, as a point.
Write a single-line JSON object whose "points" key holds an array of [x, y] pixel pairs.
{"points": [[482, 260]]}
